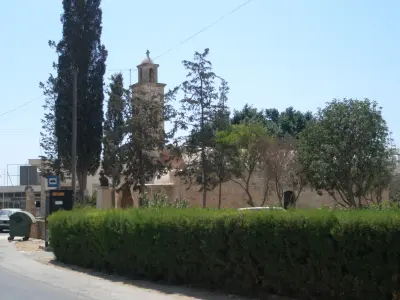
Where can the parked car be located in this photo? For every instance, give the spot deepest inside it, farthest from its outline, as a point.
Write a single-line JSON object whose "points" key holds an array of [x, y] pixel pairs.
{"points": [[5, 214]]}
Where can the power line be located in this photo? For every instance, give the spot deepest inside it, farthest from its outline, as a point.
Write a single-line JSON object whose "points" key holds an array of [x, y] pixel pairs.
{"points": [[18, 107], [157, 57], [206, 28], [197, 33], [14, 129]]}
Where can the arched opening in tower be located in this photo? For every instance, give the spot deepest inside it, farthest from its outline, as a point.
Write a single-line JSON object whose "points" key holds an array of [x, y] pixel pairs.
{"points": [[151, 75]]}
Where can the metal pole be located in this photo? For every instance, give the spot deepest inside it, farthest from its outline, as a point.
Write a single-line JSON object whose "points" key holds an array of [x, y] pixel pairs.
{"points": [[4, 182], [74, 132]]}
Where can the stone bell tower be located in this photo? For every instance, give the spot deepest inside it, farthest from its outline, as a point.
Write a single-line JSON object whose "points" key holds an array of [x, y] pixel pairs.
{"points": [[148, 87]]}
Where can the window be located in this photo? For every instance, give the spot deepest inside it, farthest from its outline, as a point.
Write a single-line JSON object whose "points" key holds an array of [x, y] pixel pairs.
{"points": [[6, 212], [151, 75]]}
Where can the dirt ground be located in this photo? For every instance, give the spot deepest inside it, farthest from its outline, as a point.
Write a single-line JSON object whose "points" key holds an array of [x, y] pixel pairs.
{"points": [[32, 245]]}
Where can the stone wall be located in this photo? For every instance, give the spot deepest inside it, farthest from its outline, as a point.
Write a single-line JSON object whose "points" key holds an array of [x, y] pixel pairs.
{"points": [[38, 230], [233, 196]]}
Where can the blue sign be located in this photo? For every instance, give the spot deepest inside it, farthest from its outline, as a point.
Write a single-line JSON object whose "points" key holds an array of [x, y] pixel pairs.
{"points": [[53, 181]]}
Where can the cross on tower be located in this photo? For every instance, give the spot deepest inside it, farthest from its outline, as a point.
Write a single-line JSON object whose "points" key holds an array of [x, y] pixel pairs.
{"points": [[148, 54]]}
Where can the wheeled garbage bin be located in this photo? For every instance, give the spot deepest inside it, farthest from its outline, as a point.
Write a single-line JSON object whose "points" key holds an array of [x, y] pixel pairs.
{"points": [[20, 225]]}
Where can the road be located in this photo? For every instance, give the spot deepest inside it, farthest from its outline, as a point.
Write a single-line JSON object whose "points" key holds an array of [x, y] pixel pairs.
{"points": [[16, 286], [22, 277]]}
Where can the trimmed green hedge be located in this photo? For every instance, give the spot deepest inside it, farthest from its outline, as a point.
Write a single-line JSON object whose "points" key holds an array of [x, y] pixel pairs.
{"points": [[313, 254]]}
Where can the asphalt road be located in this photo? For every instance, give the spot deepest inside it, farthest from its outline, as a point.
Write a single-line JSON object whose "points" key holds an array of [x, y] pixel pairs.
{"points": [[16, 286]]}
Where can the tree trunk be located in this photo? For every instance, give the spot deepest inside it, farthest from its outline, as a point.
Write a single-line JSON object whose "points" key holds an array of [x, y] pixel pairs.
{"points": [[204, 197], [220, 195], [204, 176], [113, 194], [142, 190], [265, 196], [82, 181], [142, 180], [250, 200]]}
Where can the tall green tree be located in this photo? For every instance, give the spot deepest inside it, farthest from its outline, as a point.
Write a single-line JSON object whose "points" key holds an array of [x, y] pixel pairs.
{"points": [[51, 163], [219, 154], [346, 152], [114, 132], [146, 139], [197, 113], [79, 49]]}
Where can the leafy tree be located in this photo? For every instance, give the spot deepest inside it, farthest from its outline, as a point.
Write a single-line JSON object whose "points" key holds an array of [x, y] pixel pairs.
{"points": [[289, 122], [79, 49], [245, 146], [198, 108], [346, 151], [114, 131], [51, 163], [145, 140], [248, 114], [221, 123], [282, 165]]}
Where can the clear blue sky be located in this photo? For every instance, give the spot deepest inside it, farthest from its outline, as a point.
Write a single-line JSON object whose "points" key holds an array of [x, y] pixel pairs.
{"points": [[283, 53]]}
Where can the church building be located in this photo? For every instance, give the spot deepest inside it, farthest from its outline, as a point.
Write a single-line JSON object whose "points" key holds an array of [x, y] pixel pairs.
{"points": [[233, 196]]}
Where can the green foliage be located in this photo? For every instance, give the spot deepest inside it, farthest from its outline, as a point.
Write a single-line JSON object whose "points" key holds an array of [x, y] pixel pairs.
{"points": [[161, 200], [289, 122], [385, 205], [346, 151], [145, 139], [244, 147], [315, 254], [114, 126], [282, 167], [202, 110], [51, 163], [79, 49]]}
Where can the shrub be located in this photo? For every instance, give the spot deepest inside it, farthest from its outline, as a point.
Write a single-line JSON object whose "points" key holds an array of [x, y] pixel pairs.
{"points": [[314, 254], [161, 200]]}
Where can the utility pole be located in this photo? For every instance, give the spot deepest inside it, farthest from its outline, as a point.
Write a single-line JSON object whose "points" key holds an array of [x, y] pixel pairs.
{"points": [[74, 131]]}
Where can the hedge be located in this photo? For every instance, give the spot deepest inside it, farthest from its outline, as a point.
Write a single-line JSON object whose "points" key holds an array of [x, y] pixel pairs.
{"points": [[313, 254]]}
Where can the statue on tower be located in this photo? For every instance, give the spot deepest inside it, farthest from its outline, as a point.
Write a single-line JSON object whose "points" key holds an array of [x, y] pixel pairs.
{"points": [[103, 179]]}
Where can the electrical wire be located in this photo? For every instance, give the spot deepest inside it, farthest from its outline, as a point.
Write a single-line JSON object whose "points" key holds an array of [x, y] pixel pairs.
{"points": [[205, 28], [195, 34], [157, 57], [21, 106]]}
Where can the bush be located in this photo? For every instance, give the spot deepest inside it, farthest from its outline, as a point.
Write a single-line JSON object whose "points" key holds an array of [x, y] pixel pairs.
{"points": [[161, 200], [313, 254]]}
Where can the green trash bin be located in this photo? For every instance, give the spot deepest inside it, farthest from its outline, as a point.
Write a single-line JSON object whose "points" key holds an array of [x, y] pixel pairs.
{"points": [[20, 225]]}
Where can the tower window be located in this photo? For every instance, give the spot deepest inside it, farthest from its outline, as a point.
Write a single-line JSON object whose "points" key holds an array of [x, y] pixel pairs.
{"points": [[140, 75], [151, 75]]}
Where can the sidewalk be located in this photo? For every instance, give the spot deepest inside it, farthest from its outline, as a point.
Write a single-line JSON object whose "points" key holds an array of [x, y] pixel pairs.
{"points": [[32, 262]]}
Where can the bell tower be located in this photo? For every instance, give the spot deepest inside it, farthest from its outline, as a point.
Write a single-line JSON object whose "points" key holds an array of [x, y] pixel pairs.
{"points": [[147, 70], [148, 88]]}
